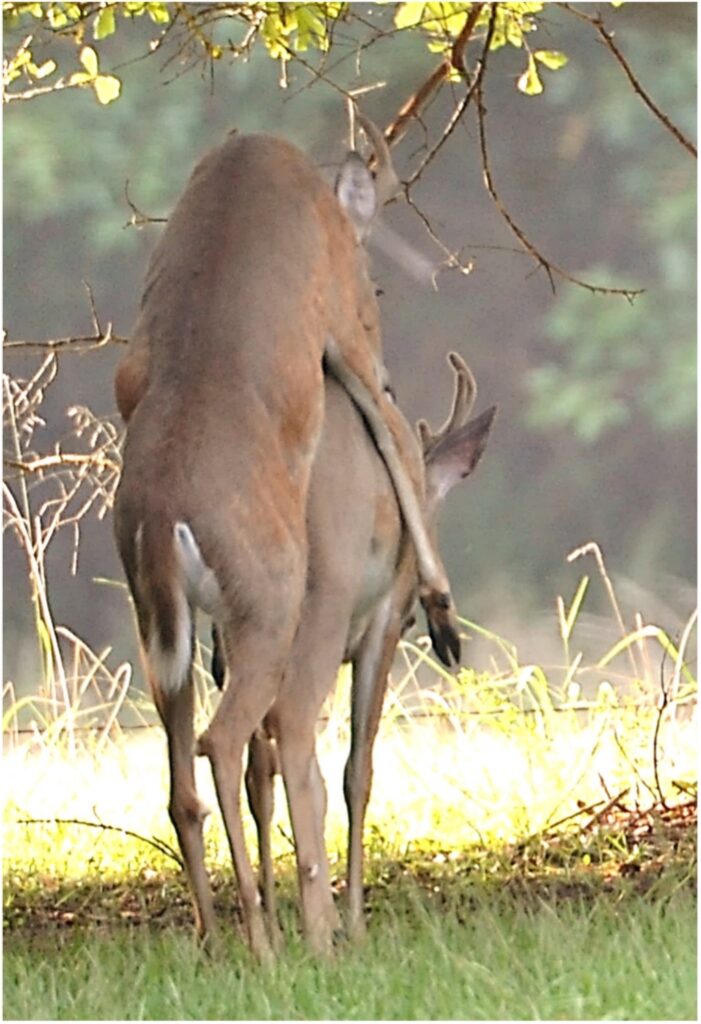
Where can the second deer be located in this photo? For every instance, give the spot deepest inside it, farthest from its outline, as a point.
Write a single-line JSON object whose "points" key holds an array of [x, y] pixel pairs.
{"points": [[363, 584]]}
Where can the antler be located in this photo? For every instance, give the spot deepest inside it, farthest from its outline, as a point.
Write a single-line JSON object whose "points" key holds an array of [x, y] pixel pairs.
{"points": [[386, 180], [463, 401]]}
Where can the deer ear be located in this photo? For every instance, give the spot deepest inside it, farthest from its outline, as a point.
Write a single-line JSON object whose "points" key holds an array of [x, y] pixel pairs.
{"points": [[457, 455], [355, 191]]}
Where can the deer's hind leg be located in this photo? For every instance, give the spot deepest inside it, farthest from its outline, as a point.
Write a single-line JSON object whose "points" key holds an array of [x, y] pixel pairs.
{"points": [[316, 658], [256, 654], [371, 667], [263, 765], [176, 709]]}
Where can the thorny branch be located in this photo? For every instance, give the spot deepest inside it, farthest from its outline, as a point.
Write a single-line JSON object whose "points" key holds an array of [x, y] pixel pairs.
{"points": [[597, 23]]}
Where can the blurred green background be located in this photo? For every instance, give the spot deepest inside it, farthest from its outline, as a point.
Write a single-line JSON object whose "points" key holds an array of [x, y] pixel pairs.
{"points": [[595, 438]]}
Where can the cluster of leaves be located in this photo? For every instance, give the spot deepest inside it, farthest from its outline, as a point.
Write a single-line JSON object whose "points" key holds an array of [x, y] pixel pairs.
{"points": [[443, 23], [285, 29], [71, 20], [294, 26]]}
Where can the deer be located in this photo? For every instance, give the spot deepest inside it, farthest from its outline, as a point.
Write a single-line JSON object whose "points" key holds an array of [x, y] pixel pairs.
{"points": [[363, 585], [255, 294]]}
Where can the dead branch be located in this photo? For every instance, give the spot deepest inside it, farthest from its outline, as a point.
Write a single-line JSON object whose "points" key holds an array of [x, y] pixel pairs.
{"points": [[662, 706], [615, 801], [157, 844], [93, 312], [63, 460], [81, 342], [452, 259]]}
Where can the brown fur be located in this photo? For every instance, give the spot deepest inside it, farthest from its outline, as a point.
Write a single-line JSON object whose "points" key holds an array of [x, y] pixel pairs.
{"points": [[223, 391]]}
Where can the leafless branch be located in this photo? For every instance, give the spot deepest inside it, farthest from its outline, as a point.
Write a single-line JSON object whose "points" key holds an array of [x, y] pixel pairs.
{"points": [[551, 269], [615, 801], [452, 259], [80, 342], [606, 36], [661, 708], [61, 460], [157, 844]]}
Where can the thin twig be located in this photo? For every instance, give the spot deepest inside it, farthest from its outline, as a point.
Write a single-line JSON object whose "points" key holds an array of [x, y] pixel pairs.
{"points": [[93, 312], [452, 259], [157, 844], [664, 701], [82, 342], [615, 801], [62, 460], [138, 219]]}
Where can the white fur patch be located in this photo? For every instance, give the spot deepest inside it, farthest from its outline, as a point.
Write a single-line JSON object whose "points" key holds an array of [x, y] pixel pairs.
{"points": [[201, 584], [171, 668]]}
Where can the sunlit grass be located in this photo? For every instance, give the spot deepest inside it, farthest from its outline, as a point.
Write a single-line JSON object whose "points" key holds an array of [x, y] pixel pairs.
{"points": [[472, 781], [498, 888]]}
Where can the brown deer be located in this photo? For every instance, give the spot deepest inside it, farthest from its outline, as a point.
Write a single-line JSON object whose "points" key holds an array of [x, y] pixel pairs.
{"points": [[363, 584], [257, 284]]}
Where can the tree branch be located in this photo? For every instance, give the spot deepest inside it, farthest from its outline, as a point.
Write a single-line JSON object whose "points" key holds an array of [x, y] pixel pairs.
{"points": [[551, 269], [597, 23], [461, 107], [413, 107]]}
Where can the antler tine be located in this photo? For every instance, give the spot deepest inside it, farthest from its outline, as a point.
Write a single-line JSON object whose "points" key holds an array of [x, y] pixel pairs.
{"points": [[463, 402], [465, 393], [386, 180]]}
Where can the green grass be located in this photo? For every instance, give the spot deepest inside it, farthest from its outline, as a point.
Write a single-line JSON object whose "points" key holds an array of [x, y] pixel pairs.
{"points": [[494, 960]]}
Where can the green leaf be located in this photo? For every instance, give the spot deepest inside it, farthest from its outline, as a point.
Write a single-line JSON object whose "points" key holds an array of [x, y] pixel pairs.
{"points": [[104, 23], [514, 32], [88, 58], [552, 59], [408, 15], [57, 18], [45, 69], [80, 78], [311, 30], [529, 82], [158, 13], [107, 88]]}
